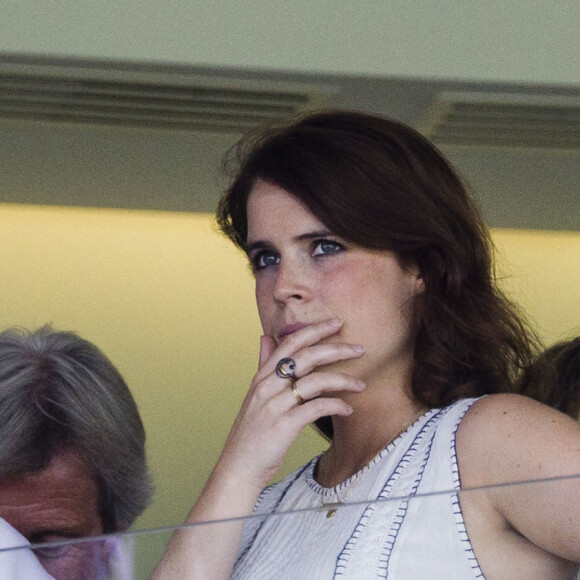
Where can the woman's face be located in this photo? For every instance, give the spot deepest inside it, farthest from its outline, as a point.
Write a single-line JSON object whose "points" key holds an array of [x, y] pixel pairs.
{"points": [[305, 274]]}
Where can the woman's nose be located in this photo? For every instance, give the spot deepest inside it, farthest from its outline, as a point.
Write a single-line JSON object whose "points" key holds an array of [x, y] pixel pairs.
{"points": [[292, 283]]}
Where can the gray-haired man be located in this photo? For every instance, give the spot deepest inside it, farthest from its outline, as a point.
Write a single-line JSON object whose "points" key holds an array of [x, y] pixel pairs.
{"points": [[72, 449]]}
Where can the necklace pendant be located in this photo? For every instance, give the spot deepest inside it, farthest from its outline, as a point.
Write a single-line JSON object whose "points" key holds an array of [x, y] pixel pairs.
{"points": [[331, 508]]}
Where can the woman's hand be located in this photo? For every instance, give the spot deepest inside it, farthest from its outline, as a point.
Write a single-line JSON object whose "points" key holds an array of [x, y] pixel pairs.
{"points": [[271, 418], [268, 423]]}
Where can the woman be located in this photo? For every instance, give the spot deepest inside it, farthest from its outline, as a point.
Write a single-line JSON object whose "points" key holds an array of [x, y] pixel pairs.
{"points": [[382, 325]]}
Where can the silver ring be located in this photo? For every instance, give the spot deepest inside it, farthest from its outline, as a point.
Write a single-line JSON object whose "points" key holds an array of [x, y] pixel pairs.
{"points": [[297, 395], [286, 368]]}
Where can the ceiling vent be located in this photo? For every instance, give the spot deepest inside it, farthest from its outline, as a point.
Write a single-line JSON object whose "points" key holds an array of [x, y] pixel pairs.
{"points": [[179, 101], [515, 121]]}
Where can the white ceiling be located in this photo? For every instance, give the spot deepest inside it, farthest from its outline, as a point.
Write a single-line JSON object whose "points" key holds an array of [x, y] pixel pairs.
{"points": [[81, 164]]}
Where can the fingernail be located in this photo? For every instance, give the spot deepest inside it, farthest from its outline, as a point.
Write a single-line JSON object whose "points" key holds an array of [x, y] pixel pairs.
{"points": [[361, 384], [358, 348], [335, 322]]}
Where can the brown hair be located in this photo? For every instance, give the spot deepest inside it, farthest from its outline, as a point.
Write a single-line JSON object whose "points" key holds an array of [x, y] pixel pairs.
{"points": [[554, 377], [380, 184]]}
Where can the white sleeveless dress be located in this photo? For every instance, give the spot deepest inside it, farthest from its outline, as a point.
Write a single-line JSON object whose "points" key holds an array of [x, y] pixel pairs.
{"points": [[400, 539]]}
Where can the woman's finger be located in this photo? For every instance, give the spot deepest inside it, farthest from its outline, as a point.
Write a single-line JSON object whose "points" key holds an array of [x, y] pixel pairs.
{"points": [[312, 410], [318, 384], [308, 359], [267, 347], [305, 337]]}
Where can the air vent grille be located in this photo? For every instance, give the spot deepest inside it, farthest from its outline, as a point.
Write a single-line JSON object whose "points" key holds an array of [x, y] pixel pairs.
{"points": [[193, 104], [505, 120]]}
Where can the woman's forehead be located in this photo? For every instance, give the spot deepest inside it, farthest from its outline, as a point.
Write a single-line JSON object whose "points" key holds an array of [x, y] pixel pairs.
{"points": [[271, 209]]}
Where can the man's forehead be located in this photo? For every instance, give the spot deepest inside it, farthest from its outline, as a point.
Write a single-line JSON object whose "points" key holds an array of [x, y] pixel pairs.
{"points": [[61, 499]]}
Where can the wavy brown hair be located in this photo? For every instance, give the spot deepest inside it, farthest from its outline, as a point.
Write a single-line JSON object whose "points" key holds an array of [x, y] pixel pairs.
{"points": [[380, 184]]}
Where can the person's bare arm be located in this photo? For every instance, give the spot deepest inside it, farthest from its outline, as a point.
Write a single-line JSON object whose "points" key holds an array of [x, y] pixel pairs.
{"points": [[511, 438]]}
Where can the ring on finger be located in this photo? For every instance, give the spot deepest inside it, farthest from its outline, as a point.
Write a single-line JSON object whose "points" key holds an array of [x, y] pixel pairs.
{"points": [[286, 368], [299, 398]]}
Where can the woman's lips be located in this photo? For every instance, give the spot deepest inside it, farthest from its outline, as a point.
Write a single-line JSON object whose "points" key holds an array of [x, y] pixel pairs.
{"points": [[290, 329]]}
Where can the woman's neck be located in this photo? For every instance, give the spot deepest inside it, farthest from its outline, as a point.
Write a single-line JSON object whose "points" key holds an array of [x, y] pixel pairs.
{"points": [[360, 437]]}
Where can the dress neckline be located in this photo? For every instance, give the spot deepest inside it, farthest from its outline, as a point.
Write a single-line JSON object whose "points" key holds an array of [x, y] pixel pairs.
{"points": [[324, 492]]}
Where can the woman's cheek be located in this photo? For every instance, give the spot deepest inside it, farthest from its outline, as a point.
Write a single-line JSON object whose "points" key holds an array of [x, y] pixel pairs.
{"points": [[264, 302]]}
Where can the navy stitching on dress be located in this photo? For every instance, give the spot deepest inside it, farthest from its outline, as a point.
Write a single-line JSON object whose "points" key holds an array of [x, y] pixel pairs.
{"points": [[343, 557], [464, 537], [263, 521], [402, 510]]}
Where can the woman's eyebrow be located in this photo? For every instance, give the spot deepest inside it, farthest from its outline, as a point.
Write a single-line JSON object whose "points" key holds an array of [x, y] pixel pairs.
{"points": [[262, 244], [257, 245], [313, 235]]}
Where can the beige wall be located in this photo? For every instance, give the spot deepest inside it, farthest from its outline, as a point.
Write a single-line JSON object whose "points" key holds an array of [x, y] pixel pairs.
{"points": [[541, 271], [513, 41]]}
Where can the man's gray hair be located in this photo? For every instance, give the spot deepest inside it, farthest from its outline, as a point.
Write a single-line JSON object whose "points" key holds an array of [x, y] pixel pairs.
{"points": [[58, 391]]}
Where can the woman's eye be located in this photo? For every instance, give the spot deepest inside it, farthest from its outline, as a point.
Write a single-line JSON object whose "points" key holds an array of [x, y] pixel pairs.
{"points": [[325, 247], [264, 259]]}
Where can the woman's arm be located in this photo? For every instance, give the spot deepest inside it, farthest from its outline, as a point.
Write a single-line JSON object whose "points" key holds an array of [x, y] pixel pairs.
{"points": [[511, 438], [208, 551], [268, 423]]}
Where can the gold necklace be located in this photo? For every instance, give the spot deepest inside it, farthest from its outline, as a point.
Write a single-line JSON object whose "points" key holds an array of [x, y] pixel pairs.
{"points": [[332, 507]]}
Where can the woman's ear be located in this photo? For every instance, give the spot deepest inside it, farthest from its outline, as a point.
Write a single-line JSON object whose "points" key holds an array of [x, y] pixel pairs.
{"points": [[411, 268], [417, 278], [419, 283]]}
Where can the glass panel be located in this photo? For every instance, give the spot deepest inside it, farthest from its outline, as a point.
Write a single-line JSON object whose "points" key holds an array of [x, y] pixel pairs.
{"points": [[442, 528]]}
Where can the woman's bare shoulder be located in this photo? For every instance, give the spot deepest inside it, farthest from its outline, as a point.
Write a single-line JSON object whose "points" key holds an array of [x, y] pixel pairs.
{"points": [[508, 437], [497, 415], [511, 439], [509, 407]]}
